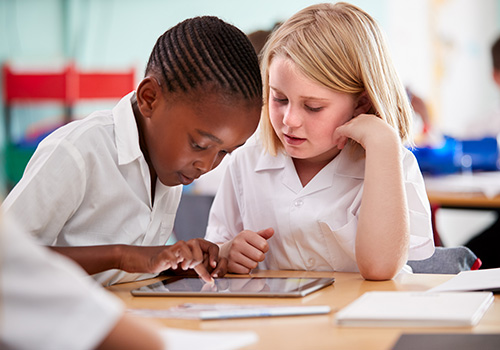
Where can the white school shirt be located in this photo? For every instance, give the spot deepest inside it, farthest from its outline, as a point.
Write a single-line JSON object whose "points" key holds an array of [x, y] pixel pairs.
{"points": [[88, 183], [47, 301], [315, 226]]}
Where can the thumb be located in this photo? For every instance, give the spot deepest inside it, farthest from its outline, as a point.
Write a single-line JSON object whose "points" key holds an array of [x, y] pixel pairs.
{"points": [[267, 233]]}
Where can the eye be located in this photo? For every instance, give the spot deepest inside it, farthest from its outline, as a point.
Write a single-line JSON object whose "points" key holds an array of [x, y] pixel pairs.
{"points": [[314, 109], [280, 100], [197, 147], [222, 153]]}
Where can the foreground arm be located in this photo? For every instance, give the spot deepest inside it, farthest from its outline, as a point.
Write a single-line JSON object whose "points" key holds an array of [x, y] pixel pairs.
{"points": [[383, 225], [131, 333]]}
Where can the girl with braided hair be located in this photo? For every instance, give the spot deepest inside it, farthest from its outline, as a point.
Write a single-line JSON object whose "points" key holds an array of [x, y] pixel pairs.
{"points": [[329, 185], [104, 190]]}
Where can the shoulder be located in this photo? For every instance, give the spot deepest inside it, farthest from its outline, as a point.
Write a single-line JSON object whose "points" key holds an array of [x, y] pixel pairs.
{"points": [[73, 146], [81, 136], [96, 123], [408, 158], [411, 169]]}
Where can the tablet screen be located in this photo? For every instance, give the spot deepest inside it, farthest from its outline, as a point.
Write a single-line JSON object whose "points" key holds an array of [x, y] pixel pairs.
{"points": [[227, 286]]}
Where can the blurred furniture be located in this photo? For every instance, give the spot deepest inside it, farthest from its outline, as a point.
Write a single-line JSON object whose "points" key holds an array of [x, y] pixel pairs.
{"points": [[65, 87], [192, 216], [461, 200], [472, 191], [447, 261]]}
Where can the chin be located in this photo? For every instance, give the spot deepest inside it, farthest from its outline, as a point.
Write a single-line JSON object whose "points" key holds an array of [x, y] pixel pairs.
{"points": [[294, 153], [172, 181]]}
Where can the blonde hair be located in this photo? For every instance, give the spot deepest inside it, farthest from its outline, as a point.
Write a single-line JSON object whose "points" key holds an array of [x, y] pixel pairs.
{"points": [[342, 48]]}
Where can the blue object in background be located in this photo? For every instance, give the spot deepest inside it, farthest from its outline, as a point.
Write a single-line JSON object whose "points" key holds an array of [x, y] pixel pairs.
{"points": [[483, 153], [458, 156]]}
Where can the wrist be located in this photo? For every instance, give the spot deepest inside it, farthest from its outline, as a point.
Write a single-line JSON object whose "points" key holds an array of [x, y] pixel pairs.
{"points": [[386, 143], [118, 256], [224, 249]]}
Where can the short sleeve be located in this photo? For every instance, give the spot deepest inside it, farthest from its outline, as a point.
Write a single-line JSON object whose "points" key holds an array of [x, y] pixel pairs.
{"points": [[50, 191], [421, 235]]}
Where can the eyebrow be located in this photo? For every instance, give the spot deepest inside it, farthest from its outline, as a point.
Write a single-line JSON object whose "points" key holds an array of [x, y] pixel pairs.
{"points": [[302, 97], [209, 135], [214, 138]]}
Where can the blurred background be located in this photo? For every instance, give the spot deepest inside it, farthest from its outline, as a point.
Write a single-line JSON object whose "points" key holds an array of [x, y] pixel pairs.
{"points": [[441, 49]]}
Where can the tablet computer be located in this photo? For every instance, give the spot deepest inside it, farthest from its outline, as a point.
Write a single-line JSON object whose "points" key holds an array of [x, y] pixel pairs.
{"points": [[235, 286]]}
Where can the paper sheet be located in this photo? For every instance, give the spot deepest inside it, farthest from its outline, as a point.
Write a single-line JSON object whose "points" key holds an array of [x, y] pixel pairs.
{"points": [[182, 339], [224, 311], [487, 279]]}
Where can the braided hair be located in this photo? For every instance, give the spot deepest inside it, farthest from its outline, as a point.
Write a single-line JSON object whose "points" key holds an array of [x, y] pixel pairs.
{"points": [[206, 50]]}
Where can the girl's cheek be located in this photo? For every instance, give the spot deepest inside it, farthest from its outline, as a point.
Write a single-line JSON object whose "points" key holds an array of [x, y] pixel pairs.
{"points": [[275, 115]]}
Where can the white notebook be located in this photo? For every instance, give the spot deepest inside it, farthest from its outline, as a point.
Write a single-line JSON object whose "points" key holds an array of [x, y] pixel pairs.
{"points": [[402, 309]]}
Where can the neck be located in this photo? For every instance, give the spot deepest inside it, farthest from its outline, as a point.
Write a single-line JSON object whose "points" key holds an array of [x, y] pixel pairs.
{"points": [[308, 168], [139, 120]]}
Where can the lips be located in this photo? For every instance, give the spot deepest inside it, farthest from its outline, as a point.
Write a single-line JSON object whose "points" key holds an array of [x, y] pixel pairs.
{"points": [[293, 140], [185, 180]]}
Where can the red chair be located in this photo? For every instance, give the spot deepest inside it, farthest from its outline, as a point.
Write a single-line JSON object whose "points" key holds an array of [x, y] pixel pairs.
{"points": [[67, 87]]}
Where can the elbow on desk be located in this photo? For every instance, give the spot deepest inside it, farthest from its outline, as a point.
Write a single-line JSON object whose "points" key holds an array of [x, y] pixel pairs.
{"points": [[378, 272], [377, 276]]}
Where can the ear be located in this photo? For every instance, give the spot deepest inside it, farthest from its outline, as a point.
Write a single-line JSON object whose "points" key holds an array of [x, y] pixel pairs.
{"points": [[148, 94], [362, 104]]}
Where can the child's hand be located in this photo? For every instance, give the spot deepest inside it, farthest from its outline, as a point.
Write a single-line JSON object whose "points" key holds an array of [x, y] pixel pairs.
{"points": [[181, 255], [246, 250], [364, 129], [211, 261]]}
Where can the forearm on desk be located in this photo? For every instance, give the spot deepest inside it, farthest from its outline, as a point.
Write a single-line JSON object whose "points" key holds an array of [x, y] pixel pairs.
{"points": [[94, 259]]}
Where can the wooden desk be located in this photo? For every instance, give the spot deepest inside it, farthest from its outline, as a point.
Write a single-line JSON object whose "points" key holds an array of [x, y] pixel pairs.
{"points": [[312, 332], [462, 192], [463, 200]]}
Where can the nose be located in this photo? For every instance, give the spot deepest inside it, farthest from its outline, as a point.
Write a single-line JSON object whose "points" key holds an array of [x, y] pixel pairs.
{"points": [[207, 162], [291, 117]]}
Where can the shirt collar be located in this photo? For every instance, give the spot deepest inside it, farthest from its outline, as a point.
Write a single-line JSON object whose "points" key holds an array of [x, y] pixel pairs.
{"points": [[351, 162], [126, 133]]}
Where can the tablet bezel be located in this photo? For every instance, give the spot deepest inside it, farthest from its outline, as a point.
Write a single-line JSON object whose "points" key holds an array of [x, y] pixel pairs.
{"points": [[316, 283]]}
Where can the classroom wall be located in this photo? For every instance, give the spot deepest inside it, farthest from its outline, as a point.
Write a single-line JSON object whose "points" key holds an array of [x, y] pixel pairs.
{"points": [[440, 47], [111, 34]]}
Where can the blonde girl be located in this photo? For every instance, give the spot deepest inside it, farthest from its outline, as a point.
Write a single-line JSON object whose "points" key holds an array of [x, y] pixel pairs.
{"points": [[328, 183]]}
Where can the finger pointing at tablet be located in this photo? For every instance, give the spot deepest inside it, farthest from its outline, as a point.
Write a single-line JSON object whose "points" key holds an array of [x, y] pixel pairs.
{"points": [[206, 257]]}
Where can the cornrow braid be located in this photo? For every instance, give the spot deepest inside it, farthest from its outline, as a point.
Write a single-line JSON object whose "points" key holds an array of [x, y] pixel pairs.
{"points": [[205, 50]]}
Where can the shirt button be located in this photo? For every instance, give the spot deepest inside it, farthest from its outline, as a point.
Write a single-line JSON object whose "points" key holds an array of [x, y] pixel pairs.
{"points": [[311, 262], [298, 202]]}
